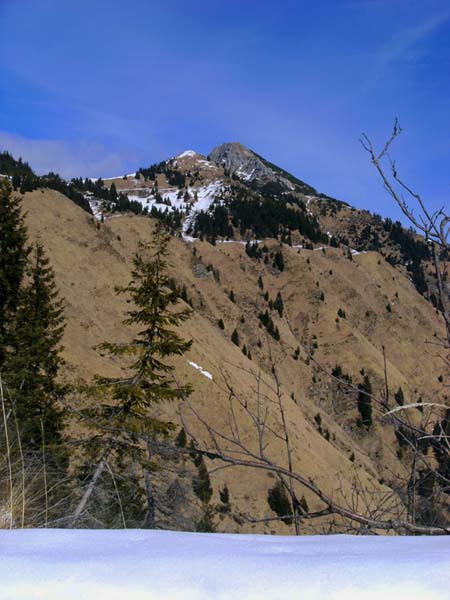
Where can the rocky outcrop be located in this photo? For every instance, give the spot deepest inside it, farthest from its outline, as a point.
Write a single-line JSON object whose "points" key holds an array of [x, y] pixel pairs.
{"points": [[239, 160]]}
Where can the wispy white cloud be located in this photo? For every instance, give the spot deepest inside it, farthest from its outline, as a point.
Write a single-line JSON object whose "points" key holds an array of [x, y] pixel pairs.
{"points": [[400, 45], [69, 159]]}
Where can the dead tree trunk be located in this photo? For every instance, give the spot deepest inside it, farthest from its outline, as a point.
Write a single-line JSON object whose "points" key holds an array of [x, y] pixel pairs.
{"points": [[149, 520], [90, 488]]}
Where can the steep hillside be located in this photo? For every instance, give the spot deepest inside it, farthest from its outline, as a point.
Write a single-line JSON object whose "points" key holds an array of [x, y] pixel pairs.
{"points": [[237, 194], [237, 283]]}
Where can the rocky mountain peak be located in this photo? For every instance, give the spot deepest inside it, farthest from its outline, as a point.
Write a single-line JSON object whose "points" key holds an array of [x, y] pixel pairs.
{"points": [[239, 160]]}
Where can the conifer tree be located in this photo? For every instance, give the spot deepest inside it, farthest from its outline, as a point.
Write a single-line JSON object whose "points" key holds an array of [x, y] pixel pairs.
{"points": [[278, 304], [365, 402], [279, 260], [113, 193], [153, 297], [442, 428], [35, 360], [399, 397], [31, 370], [202, 483], [16, 181], [206, 523], [181, 439], [13, 259], [124, 415], [225, 495], [280, 503]]}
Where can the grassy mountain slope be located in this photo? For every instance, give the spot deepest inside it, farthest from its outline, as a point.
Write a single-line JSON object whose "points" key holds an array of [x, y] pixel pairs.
{"points": [[90, 258]]}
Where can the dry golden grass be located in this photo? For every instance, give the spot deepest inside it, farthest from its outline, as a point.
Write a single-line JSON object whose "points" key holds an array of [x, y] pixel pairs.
{"points": [[90, 259]]}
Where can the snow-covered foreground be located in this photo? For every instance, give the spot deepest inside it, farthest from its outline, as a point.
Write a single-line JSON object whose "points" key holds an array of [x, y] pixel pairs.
{"points": [[163, 565]]}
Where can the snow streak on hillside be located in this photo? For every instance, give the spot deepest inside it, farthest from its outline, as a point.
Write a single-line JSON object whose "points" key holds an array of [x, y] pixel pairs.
{"points": [[54, 564], [201, 369], [206, 196], [201, 198]]}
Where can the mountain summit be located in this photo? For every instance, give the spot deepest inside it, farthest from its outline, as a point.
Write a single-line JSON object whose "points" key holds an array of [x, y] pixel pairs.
{"points": [[239, 160], [242, 163]]}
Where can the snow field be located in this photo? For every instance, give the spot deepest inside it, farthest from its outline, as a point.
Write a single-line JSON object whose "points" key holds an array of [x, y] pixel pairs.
{"points": [[51, 564]]}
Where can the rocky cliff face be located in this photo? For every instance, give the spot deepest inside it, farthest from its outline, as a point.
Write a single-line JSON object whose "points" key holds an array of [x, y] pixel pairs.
{"points": [[238, 160], [246, 165]]}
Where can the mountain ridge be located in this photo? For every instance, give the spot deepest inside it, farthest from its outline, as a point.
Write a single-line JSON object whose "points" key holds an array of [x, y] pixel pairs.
{"points": [[240, 195]]}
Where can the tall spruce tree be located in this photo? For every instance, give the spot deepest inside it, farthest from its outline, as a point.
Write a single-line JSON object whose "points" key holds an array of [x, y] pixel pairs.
{"points": [[13, 259], [124, 415], [31, 327], [150, 378], [35, 360]]}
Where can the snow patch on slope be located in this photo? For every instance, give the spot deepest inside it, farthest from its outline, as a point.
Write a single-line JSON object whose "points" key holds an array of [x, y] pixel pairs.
{"points": [[200, 199], [96, 206], [201, 369], [187, 154], [169, 195], [205, 197], [118, 177], [245, 175]]}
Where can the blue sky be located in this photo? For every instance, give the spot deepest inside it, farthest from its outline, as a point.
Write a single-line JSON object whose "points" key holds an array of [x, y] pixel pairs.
{"points": [[99, 87]]}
